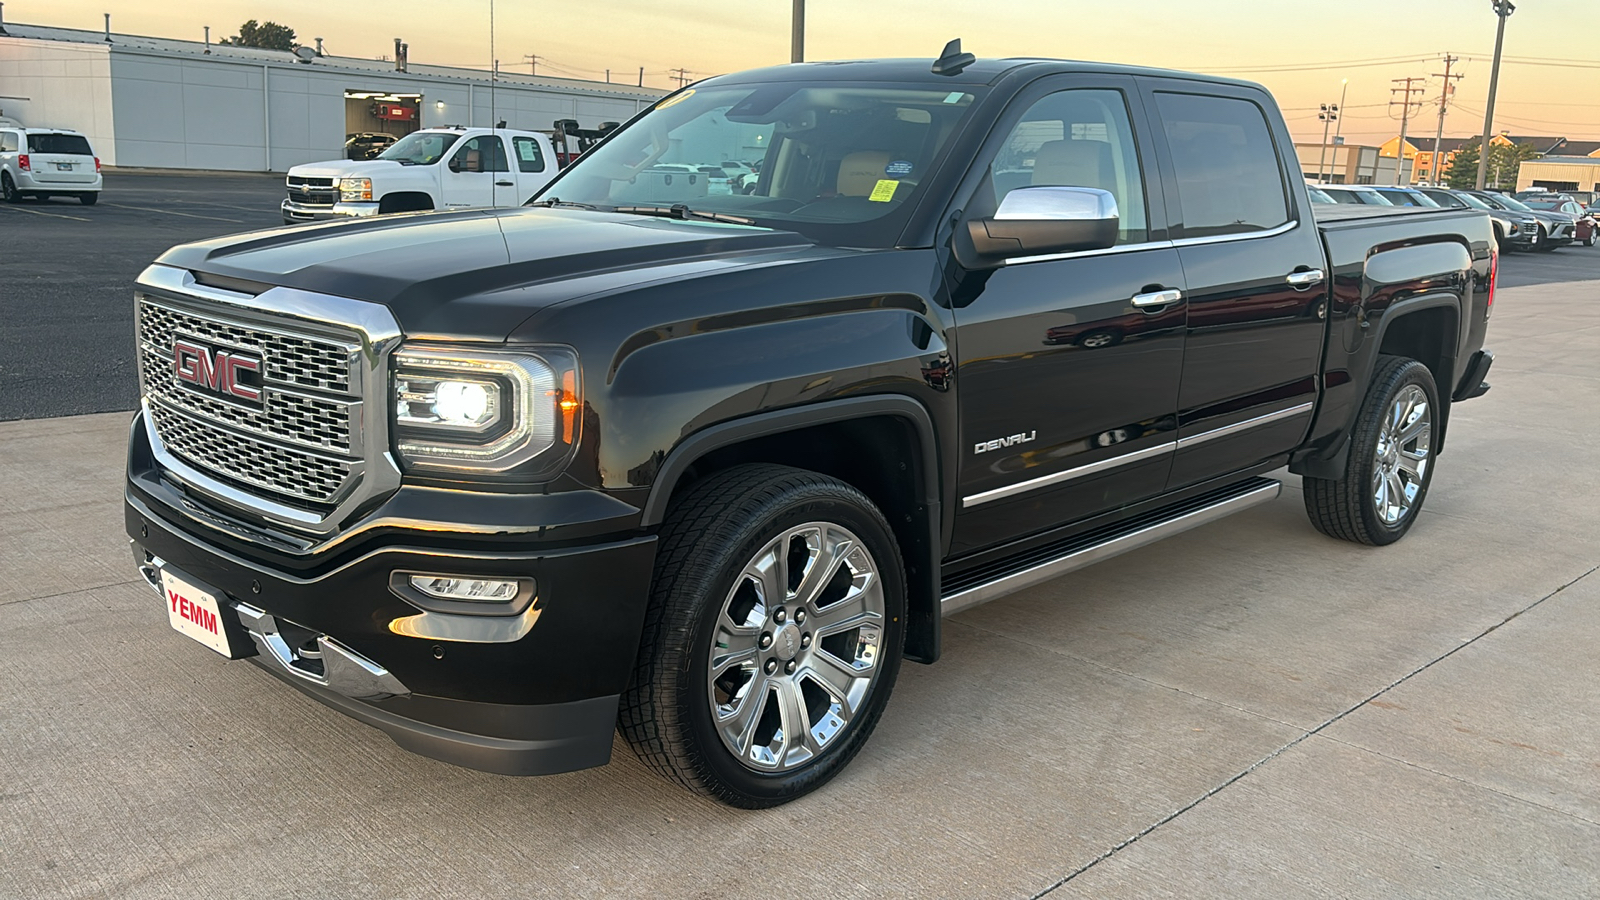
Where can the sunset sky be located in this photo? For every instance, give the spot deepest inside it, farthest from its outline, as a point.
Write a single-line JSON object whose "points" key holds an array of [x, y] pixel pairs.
{"points": [[1550, 84]]}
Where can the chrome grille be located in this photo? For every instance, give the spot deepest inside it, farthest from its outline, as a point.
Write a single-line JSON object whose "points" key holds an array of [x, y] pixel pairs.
{"points": [[303, 444], [312, 191], [287, 359], [256, 463]]}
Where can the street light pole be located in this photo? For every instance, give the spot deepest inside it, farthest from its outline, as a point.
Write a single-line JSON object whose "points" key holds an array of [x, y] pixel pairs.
{"points": [[797, 33], [1327, 116], [1503, 9]]}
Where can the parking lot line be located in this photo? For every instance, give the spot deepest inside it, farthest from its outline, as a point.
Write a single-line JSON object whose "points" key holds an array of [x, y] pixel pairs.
{"points": [[40, 212], [173, 212]]}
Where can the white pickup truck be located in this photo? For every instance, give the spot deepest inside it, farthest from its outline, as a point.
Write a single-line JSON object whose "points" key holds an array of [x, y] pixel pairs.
{"points": [[435, 168]]}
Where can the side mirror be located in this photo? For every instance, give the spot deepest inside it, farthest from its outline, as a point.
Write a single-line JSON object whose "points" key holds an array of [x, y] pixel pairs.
{"points": [[1042, 219], [455, 164]]}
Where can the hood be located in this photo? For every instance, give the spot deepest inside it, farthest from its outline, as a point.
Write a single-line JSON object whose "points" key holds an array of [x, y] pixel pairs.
{"points": [[350, 168], [470, 275]]}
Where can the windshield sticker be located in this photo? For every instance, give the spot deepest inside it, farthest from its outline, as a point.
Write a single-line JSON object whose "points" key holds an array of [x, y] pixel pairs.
{"points": [[675, 99], [883, 192], [898, 167]]}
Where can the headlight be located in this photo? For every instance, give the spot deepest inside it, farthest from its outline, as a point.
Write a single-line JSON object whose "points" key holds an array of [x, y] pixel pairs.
{"points": [[485, 412], [355, 189]]}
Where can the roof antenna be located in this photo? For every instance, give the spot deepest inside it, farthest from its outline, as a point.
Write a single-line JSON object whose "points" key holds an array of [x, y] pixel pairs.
{"points": [[952, 60]]}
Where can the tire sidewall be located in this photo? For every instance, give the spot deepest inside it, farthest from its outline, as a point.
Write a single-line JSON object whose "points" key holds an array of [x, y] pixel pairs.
{"points": [[803, 505], [1409, 373]]}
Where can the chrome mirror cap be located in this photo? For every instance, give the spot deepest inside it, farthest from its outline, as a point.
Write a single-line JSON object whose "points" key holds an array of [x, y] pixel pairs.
{"points": [[1058, 203]]}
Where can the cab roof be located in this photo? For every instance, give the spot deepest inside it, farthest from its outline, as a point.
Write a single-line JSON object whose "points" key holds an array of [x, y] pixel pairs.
{"points": [[981, 71]]}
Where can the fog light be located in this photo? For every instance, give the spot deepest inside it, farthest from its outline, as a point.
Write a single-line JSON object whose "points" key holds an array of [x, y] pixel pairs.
{"points": [[479, 590]]}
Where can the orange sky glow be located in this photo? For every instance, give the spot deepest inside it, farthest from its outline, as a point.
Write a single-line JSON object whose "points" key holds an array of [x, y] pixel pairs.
{"points": [[1300, 50]]}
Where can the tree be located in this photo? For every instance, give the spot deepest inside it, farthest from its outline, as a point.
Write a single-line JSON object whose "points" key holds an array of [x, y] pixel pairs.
{"points": [[267, 36], [1504, 161], [1463, 171]]}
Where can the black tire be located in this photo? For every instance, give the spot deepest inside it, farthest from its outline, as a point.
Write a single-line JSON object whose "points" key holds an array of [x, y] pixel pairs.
{"points": [[1589, 241], [710, 535], [8, 189], [1347, 508], [1544, 245], [89, 198]]}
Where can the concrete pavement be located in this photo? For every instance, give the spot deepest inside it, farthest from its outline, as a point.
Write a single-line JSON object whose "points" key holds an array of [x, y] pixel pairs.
{"points": [[1247, 710]]}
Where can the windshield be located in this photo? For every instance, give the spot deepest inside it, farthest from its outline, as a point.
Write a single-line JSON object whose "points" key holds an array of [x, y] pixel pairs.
{"points": [[1474, 202], [421, 148], [1545, 204], [840, 163], [59, 143]]}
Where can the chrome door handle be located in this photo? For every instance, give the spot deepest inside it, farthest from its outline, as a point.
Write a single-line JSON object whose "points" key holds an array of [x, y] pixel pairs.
{"points": [[1157, 298], [1305, 279]]}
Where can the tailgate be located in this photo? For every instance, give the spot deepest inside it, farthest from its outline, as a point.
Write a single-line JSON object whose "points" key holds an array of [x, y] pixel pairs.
{"points": [[62, 168]]}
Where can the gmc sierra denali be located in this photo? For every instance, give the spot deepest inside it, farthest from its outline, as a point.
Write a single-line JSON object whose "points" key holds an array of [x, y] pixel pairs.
{"points": [[706, 467]]}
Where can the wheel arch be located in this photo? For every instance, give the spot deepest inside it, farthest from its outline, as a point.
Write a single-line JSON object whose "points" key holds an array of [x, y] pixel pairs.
{"points": [[405, 201], [903, 480]]}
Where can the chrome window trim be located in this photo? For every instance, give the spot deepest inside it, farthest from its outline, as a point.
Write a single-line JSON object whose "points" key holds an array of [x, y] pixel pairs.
{"points": [[1285, 228], [1247, 424], [1031, 484], [371, 331]]}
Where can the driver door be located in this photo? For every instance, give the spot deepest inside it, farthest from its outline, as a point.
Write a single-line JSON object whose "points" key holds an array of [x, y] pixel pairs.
{"points": [[469, 174]]}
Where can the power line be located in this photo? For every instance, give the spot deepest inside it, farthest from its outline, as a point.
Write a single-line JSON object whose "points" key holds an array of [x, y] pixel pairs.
{"points": [[682, 76]]}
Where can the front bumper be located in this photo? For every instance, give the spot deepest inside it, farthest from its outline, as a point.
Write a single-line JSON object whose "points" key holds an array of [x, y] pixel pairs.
{"points": [[525, 694], [300, 212]]}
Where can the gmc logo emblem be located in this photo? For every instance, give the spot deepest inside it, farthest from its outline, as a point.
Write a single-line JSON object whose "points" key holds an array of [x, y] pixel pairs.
{"points": [[215, 371]]}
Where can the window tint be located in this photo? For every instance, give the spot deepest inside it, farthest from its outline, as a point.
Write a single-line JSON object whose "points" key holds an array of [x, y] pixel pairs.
{"points": [[8, 142], [1078, 138], [529, 157], [1227, 169], [484, 153], [59, 143]]}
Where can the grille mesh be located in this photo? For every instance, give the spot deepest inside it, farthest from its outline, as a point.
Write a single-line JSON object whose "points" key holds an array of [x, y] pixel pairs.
{"points": [[290, 360], [257, 463], [297, 446]]}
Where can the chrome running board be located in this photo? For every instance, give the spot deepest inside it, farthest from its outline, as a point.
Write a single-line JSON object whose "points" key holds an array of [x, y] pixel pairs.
{"points": [[1028, 569]]}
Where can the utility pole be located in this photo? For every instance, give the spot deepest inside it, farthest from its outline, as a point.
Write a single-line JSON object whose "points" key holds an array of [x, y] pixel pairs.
{"points": [[1405, 118], [1502, 9], [797, 33], [1329, 113], [1444, 102], [533, 62], [682, 76]]}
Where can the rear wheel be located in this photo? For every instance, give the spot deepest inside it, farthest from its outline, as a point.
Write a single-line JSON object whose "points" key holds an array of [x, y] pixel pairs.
{"points": [[89, 198], [8, 188], [773, 637], [1391, 459]]}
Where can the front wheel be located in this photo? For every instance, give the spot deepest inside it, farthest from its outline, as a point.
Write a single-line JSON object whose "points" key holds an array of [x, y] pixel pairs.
{"points": [[1589, 241], [773, 637], [1391, 459]]}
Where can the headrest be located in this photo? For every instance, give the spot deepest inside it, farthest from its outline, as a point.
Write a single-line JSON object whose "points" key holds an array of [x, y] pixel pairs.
{"points": [[1076, 163], [860, 172]]}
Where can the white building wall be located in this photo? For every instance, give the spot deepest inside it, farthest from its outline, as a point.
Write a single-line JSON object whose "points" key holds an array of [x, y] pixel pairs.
{"points": [[144, 108], [60, 85]]}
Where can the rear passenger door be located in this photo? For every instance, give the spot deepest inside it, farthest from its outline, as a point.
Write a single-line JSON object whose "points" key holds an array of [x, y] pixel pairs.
{"points": [[1068, 363], [1253, 259]]}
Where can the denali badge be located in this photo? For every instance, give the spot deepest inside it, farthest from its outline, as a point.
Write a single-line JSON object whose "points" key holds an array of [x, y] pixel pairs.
{"points": [[215, 372], [997, 443]]}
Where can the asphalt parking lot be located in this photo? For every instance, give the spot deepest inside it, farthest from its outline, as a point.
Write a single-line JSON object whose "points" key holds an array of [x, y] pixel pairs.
{"points": [[1249, 710], [66, 313]]}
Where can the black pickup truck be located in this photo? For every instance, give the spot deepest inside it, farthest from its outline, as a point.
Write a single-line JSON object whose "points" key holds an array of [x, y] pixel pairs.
{"points": [[706, 467]]}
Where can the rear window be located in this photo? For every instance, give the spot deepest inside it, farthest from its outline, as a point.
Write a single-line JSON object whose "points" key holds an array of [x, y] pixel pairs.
{"points": [[59, 143], [1229, 181]]}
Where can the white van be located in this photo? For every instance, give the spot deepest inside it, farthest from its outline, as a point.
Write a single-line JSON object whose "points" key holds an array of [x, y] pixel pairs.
{"points": [[47, 162]]}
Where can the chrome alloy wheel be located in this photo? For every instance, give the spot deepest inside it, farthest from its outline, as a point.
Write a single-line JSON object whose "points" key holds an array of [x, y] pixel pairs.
{"points": [[1404, 452], [795, 648]]}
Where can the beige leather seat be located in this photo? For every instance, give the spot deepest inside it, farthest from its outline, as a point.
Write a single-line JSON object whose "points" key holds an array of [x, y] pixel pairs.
{"points": [[473, 162], [860, 172], [1073, 163]]}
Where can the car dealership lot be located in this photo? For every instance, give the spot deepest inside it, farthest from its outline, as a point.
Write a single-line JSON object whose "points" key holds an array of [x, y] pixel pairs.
{"points": [[66, 311], [1291, 716]]}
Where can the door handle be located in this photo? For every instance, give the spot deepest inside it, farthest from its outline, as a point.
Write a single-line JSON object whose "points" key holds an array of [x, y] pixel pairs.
{"points": [[1302, 280], [504, 184], [1157, 298]]}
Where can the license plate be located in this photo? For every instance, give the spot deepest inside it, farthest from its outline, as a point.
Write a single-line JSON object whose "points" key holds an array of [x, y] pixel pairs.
{"points": [[64, 167], [195, 612]]}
